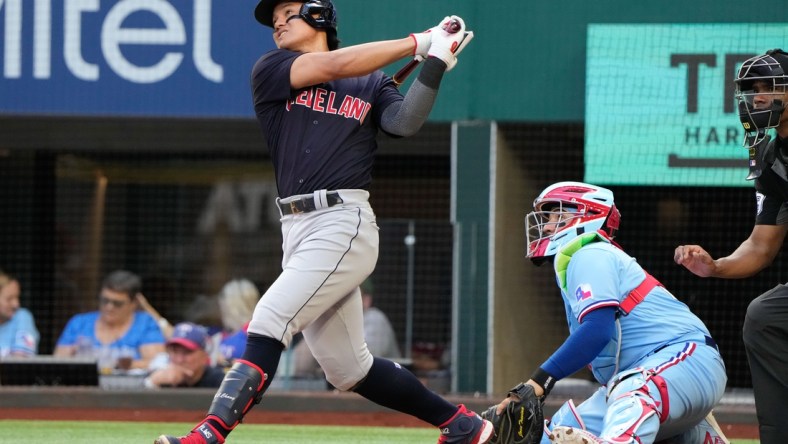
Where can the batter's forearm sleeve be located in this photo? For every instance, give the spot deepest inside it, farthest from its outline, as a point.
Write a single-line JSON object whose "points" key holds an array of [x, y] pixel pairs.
{"points": [[405, 118]]}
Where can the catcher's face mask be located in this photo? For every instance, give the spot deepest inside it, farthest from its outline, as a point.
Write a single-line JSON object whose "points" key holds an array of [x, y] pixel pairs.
{"points": [[562, 212], [547, 221], [761, 86]]}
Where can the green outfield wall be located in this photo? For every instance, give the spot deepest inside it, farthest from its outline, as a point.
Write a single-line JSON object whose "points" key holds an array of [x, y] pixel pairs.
{"points": [[528, 59]]}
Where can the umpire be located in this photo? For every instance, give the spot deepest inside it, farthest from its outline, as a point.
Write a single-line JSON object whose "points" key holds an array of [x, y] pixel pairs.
{"points": [[762, 93]]}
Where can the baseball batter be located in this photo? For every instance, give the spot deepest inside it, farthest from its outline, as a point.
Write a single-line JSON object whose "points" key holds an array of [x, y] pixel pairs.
{"points": [[660, 369], [320, 109]]}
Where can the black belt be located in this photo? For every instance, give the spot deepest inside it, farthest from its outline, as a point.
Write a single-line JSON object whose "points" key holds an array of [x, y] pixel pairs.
{"points": [[307, 204]]}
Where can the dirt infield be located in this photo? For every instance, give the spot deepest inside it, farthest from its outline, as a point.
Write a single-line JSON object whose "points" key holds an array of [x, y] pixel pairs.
{"points": [[736, 431]]}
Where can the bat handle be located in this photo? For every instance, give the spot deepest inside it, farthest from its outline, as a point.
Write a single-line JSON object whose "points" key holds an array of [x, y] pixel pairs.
{"points": [[405, 71]]}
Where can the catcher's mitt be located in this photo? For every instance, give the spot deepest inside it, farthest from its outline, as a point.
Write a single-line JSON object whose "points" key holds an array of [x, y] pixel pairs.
{"points": [[522, 422]]}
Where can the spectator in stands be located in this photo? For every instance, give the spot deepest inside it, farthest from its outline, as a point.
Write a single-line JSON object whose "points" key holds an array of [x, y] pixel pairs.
{"points": [[298, 362], [237, 301], [204, 310], [429, 357], [117, 329], [189, 361], [234, 305], [18, 333]]}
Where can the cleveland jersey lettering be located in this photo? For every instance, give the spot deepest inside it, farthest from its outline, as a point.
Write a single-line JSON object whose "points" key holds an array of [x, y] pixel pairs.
{"points": [[324, 101]]}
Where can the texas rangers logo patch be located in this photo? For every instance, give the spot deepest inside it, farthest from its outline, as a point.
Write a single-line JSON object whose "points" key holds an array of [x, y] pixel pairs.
{"points": [[583, 292]]}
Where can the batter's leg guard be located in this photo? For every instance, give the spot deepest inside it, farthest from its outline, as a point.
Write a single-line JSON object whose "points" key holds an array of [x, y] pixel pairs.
{"points": [[241, 389]]}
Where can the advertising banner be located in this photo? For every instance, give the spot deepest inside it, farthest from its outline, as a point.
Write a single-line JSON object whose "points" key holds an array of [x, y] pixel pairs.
{"points": [[190, 58], [660, 105]]}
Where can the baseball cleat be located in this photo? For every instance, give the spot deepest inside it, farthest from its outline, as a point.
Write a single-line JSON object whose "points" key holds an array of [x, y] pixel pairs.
{"points": [[465, 427], [191, 438], [202, 434], [571, 435]]}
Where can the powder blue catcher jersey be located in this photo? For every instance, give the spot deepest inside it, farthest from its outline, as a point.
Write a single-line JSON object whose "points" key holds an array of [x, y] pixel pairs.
{"points": [[602, 275]]}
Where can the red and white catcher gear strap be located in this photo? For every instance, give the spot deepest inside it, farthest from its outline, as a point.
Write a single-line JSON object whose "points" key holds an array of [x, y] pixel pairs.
{"points": [[640, 292], [634, 407], [241, 388], [662, 387]]}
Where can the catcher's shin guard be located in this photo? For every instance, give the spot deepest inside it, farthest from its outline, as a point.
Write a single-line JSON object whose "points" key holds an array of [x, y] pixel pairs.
{"points": [[637, 403], [566, 416], [241, 389]]}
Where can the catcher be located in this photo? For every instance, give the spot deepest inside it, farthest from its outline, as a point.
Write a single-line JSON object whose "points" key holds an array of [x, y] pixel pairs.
{"points": [[660, 370]]}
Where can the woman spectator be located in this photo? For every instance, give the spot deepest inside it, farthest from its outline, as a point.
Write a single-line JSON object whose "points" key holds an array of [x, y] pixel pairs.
{"points": [[237, 301], [117, 329]]}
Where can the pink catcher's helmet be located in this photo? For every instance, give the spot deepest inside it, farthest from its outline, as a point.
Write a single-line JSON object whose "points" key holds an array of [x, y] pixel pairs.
{"points": [[564, 211]]}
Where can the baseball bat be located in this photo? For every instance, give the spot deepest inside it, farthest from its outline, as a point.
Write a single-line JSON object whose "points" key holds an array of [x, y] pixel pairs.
{"points": [[451, 27]]}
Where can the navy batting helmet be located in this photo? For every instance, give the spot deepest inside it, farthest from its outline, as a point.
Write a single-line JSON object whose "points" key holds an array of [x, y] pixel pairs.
{"points": [[326, 19], [770, 70], [324, 9]]}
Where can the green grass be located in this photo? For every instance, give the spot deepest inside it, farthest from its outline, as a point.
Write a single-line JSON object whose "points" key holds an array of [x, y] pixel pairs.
{"points": [[101, 432]]}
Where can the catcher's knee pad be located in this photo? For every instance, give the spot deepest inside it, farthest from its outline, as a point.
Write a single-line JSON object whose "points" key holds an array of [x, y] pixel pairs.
{"points": [[632, 414], [241, 388]]}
